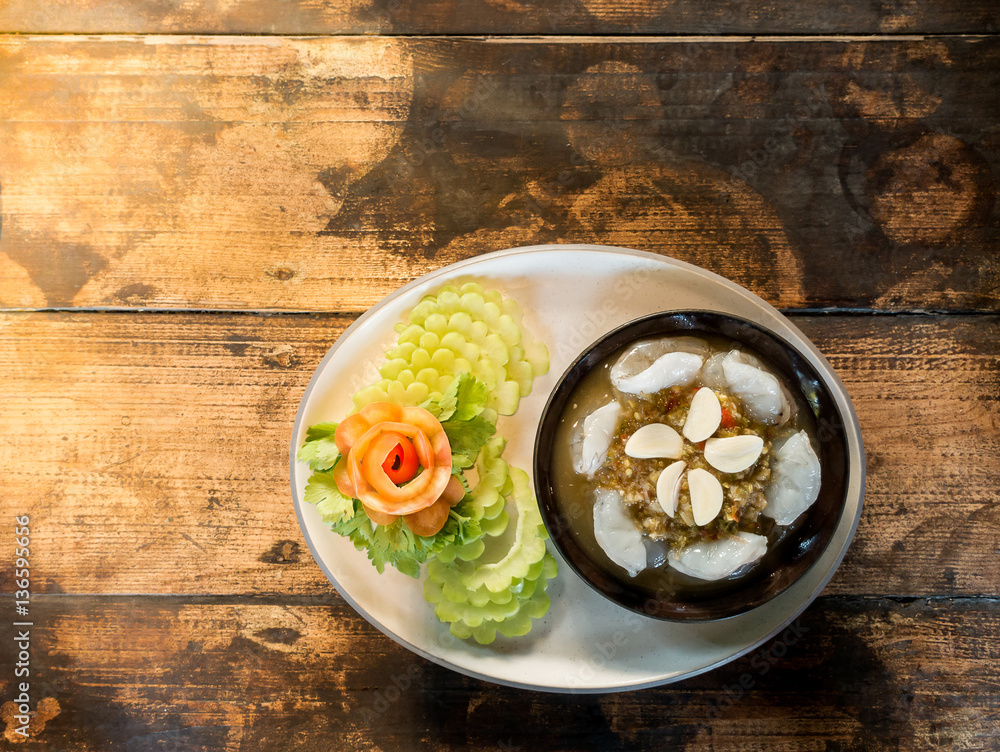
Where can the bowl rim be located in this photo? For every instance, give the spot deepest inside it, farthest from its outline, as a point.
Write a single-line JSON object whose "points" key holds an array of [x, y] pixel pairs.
{"points": [[560, 393]]}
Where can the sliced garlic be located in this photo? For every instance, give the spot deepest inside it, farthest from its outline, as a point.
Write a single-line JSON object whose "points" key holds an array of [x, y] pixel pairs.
{"points": [[733, 454], [668, 487], [654, 440], [704, 416], [706, 496]]}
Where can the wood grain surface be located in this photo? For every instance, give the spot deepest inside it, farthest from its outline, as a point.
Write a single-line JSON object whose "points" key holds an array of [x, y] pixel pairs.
{"points": [[176, 428], [177, 674], [321, 174], [666, 17]]}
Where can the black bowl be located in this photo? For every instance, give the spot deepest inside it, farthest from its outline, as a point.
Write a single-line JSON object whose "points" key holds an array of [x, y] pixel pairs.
{"points": [[673, 596]]}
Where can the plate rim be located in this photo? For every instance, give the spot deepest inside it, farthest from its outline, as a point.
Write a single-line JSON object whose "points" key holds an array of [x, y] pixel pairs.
{"points": [[449, 270]]}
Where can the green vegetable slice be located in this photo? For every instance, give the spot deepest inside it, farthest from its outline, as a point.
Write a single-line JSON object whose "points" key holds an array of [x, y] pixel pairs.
{"points": [[460, 330], [510, 620], [479, 599], [486, 501], [527, 548], [319, 451], [488, 495]]}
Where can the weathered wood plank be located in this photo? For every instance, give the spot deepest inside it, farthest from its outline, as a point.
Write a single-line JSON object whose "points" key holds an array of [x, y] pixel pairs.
{"points": [[320, 174], [927, 393], [492, 17], [150, 449], [165, 434], [178, 674]]}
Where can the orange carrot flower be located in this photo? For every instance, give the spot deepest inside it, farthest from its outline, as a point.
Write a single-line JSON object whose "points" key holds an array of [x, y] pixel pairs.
{"points": [[367, 438]]}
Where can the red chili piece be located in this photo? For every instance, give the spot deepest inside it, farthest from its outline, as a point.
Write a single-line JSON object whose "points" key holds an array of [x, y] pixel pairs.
{"points": [[401, 463]]}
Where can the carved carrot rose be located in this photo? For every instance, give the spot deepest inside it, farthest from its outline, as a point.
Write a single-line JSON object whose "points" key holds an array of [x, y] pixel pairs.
{"points": [[378, 445]]}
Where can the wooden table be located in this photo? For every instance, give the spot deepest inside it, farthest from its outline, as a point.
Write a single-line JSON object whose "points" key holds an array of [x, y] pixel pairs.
{"points": [[198, 198]]}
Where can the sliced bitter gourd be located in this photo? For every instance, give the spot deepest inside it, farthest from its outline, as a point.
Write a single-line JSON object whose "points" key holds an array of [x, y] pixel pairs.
{"points": [[449, 579], [479, 599], [527, 547], [532, 603], [486, 503], [468, 329], [463, 329], [488, 494]]}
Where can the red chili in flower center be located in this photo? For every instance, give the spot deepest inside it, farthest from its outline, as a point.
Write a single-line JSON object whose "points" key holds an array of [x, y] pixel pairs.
{"points": [[401, 463]]}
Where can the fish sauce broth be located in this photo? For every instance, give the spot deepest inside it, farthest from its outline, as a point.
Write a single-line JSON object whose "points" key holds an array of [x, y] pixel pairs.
{"points": [[636, 478]]}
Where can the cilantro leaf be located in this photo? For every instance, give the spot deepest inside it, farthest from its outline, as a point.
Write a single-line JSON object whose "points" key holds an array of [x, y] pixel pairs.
{"points": [[320, 451], [467, 437], [319, 455], [461, 479], [321, 431], [397, 546], [332, 505], [472, 398], [444, 406], [460, 528], [464, 398]]}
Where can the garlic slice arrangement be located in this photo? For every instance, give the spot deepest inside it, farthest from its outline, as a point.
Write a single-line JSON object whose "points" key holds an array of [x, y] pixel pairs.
{"points": [[734, 454], [704, 416], [668, 487], [655, 440], [706, 496]]}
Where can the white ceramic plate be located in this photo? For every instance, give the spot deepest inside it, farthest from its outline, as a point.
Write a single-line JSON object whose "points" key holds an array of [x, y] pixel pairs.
{"points": [[570, 295]]}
